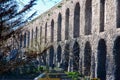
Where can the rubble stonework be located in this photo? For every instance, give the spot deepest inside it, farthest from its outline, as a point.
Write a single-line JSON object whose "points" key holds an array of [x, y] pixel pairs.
{"points": [[92, 32]]}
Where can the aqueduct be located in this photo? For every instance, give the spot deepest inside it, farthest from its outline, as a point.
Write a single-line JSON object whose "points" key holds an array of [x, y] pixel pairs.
{"points": [[86, 32]]}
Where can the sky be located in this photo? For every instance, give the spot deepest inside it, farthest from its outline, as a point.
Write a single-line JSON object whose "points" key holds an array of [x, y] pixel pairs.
{"points": [[41, 5]]}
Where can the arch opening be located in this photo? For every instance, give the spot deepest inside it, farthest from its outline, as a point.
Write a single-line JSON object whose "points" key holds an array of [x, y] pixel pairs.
{"points": [[44, 57], [51, 56], [59, 27], [28, 38], [40, 35], [45, 32], [24, 39], [88, 17], [66, 52], [102, 15], [52, 30], [59, 52], [118, 13], [87, 59], [21, 40], [76, 51], [76, 21], [36, 35], [67, 24], [116, 53], [101, 55], [32, 38]]}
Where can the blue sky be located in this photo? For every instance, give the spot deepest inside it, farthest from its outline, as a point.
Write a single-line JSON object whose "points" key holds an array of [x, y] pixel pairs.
{"points": [[41, 6]]}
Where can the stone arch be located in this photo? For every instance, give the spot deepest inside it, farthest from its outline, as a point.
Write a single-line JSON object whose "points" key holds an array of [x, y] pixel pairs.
{"points": [[59, 27], [102, 15], [118, 13], [24, 39], [52, 30], [116, 53], [45, 32], [51, 56], [87, 58], [101, 55], [59, 52], [67, 56], [76, 30], [76, 51], [67, 23], [88, 17]]}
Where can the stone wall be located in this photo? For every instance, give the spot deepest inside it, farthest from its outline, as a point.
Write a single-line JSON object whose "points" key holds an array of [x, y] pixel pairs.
{"points": [[91, 30]]}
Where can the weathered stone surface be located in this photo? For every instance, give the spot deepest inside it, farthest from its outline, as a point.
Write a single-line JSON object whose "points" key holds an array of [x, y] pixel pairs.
{"points": [[109, 34]]}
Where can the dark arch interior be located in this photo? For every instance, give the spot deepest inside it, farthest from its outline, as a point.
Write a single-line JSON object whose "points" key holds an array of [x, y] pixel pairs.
{"points": [[116, 52], [52, 30], [36, 36], [76, 51], [36, 33], [102, 11], [40, 35], [44, 57], [66, 52], [67, 24], [25, 40], [21, 40], [88, 17], [118, 13], [87, 59], [45, 32], [59, 51], [51, 56], [32, 38], [76, 20], [28, 38], [101, 68], [32, 34], [59, 27]]}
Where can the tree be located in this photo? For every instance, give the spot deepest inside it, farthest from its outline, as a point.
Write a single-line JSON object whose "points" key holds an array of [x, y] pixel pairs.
{"points": [[29, 54], [11, 16]]}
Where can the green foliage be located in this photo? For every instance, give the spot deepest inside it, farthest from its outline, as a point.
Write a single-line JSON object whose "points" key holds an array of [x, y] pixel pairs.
{"points": [[40, 68], [79, 76], [48, 14], [59, 6], [73, 75]]}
